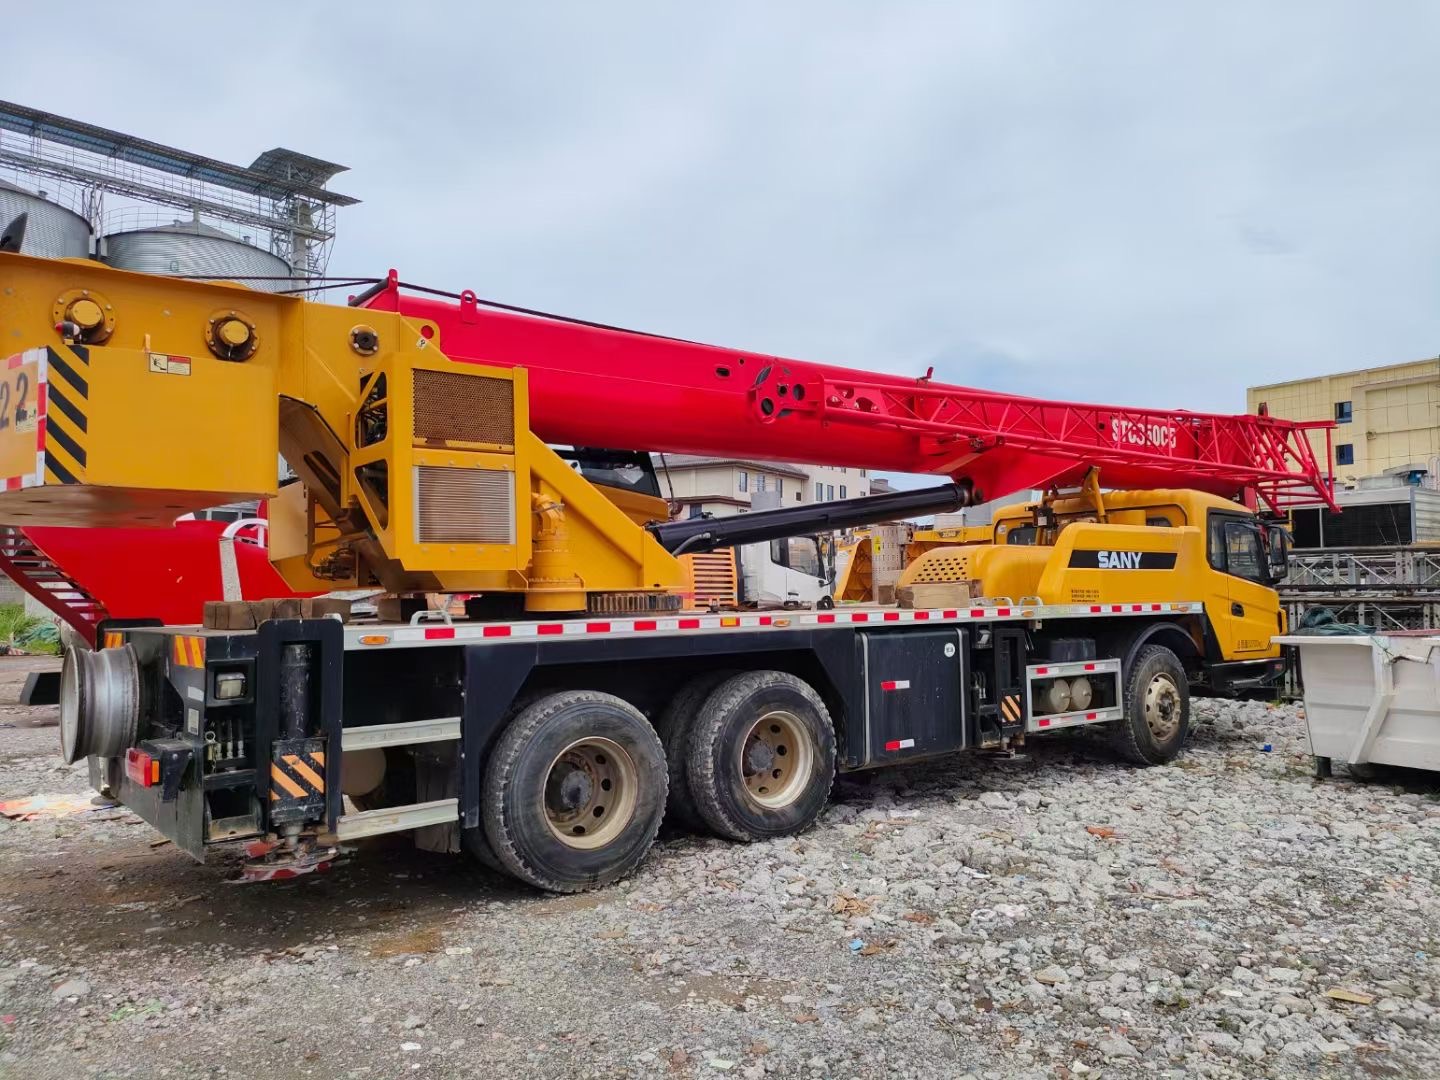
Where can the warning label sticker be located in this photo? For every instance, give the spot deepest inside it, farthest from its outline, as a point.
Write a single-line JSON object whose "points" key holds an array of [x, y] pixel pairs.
{"points": [[163, 364]]}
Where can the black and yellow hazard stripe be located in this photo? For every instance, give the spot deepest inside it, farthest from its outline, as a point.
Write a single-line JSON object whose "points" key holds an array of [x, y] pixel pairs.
{"points": [[297, 776], [1010, 706], [67, 423]]}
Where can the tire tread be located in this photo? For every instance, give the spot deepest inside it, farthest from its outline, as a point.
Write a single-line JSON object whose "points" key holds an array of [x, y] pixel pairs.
{"points": [[674, 726]]}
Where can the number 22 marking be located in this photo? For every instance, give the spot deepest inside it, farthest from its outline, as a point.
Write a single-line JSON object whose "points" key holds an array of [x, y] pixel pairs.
{"points": [[22, 388]]}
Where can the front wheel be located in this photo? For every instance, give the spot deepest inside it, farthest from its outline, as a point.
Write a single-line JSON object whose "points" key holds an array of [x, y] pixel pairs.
{"points": [[574, 791], [1157, 708]]}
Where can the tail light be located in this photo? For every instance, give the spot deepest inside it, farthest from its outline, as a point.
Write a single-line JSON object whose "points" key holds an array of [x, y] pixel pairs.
{"points": [[141, 767]]}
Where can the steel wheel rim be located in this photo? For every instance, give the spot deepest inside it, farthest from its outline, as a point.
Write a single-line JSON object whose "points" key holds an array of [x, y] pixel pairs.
{"points": [[590, 793], [1162, 707], [776, 760], [70, 708]]}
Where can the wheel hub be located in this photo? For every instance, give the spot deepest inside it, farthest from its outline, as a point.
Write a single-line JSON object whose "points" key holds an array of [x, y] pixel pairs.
{"points": [[759, 757], [1162, 707], [776, 760], [590, 793], [569, 788]]}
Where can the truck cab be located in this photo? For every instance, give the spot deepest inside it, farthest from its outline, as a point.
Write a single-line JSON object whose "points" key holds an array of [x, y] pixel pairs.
{"points": [[1138, 547]]}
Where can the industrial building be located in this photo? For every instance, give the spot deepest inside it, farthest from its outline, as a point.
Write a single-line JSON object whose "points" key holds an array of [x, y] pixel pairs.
{"points": [[1388, 418], [90, 192], [1384, 449], [1375, 562]]}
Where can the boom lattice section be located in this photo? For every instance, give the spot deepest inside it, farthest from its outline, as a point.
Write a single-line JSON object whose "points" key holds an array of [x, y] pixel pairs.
{"points": [[594, 385], [1005, 442]]}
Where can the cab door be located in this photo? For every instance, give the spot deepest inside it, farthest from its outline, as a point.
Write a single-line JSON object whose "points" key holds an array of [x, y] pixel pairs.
{"points": [[802, 579], [1250, 616]]}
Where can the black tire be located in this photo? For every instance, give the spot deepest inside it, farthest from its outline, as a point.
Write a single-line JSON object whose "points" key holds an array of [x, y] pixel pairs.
{"points": [[519, 792], [473, 840], [721, 735], [674, 725], [1156, 670], [477, 846]]}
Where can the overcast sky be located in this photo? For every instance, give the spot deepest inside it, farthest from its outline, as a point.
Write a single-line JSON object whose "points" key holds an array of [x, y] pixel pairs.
{"points": [[1145, 203]]}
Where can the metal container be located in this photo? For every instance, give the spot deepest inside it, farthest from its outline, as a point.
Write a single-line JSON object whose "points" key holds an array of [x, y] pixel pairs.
{"points": [[1371, 698], [52, 232], [192, 248]]}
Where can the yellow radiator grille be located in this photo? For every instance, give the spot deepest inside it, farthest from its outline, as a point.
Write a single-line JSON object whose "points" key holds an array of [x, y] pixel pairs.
{"points": [[944, 565], [464, 506], [464, 408]]}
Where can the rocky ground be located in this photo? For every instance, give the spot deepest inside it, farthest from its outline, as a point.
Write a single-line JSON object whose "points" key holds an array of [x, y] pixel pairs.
{"points": [[1059, 915]]}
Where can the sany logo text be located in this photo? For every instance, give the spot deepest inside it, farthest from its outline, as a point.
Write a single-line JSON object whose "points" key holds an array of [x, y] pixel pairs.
{"points": [[1119, 560]]}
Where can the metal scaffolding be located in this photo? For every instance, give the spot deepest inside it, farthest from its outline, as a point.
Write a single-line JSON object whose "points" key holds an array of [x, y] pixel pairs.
{"points": [[1390, 588], [280, 195]]}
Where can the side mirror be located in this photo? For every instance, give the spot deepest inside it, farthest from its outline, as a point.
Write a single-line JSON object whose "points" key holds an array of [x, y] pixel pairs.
{"points": [[1277, 543]]}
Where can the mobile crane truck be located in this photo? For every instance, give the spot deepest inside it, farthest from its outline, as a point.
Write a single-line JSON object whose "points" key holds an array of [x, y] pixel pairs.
{"points": [[547, 732]]}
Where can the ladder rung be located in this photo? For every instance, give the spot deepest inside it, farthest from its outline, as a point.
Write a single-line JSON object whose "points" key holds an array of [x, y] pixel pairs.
{"points": [[397, 819], [375, 736]]}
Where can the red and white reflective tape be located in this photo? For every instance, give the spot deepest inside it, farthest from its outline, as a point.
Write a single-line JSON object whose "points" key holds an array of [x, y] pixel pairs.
{"points": [[1074, 667], [394, 635], [895, 684], [899, 744]]}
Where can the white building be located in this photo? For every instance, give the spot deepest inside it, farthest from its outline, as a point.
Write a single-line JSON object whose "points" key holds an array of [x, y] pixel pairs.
{"points": [[723, 486]]}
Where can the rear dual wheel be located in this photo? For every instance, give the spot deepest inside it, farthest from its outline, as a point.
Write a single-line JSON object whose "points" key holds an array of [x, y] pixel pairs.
{"points": [[674, 726], [760, 757], [574, 791]]}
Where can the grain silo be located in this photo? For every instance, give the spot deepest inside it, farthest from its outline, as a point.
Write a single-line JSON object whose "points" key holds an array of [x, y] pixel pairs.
{"points": [[194, 249], [51, 231]]}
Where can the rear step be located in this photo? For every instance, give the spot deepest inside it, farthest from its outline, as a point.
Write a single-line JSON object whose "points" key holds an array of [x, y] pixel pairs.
{"points": [[375, 736], [391, 819], [397, 819]]}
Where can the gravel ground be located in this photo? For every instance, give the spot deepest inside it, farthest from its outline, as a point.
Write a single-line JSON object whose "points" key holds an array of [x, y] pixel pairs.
{"points": [[1056, 915]]}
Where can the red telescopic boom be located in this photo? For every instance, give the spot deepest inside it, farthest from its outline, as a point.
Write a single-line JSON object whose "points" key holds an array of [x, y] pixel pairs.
{"points": [[593, 385]]}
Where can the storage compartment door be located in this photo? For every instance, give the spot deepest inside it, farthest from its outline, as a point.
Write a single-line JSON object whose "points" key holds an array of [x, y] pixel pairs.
{"points": [[914, 693]]}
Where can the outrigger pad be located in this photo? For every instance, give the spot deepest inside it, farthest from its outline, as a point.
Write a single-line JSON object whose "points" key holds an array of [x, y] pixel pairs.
{"points": [[41, 688]]}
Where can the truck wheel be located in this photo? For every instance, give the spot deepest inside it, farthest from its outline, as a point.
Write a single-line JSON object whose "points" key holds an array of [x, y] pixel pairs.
{"points": [[674, 726], [574, 791], [762, 756], [475, 844], [1157, 708]]}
